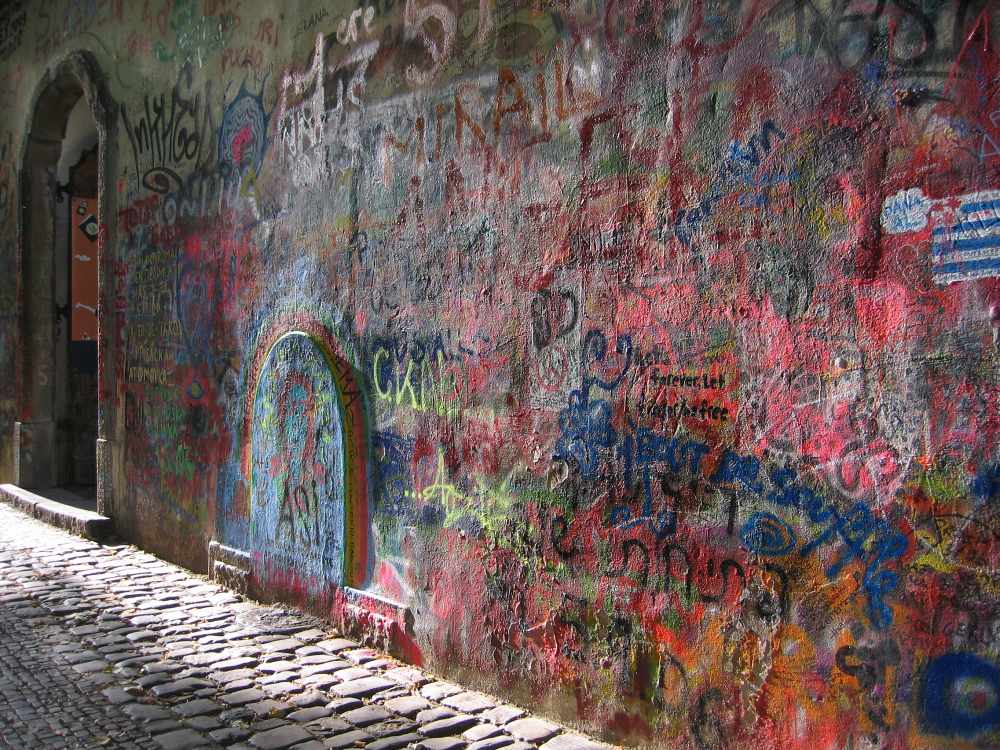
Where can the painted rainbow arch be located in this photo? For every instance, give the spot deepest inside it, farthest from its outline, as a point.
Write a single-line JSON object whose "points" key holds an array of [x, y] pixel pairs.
{"points": [[355, 427]]}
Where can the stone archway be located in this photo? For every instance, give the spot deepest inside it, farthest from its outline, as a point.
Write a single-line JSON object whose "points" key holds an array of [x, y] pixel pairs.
{"points": [[40, 372]]}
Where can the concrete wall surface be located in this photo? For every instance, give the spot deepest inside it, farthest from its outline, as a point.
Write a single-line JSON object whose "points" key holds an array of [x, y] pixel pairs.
{"points": [[633, 359]]}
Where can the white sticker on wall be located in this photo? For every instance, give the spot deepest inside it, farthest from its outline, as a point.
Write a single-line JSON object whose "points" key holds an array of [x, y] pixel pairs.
{"points": [[906, 211]]}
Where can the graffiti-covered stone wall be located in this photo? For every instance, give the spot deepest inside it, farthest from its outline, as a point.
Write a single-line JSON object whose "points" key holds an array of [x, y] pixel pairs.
{"points": [[634, 359]]}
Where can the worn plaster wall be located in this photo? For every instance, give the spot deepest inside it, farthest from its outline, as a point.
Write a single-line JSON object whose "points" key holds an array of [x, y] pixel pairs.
{"points": [[635, 359]]}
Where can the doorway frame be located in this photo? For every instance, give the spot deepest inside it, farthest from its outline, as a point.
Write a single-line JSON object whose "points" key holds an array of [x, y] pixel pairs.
{"points": [[59, 88]]}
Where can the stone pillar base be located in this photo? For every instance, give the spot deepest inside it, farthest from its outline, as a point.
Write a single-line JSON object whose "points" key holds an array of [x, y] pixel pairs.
{"points": [[34, 454], [105, 495]]}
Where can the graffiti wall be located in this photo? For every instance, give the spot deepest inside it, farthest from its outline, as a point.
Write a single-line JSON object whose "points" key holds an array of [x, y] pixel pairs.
{"points": [[634, 359]]}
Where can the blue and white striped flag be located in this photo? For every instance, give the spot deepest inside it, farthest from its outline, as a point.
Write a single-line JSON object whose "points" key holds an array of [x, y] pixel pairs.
{"points": [[969, 248]]}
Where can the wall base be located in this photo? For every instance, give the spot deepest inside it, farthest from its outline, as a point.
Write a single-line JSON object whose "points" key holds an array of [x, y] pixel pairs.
{"points": [[34, 454]]}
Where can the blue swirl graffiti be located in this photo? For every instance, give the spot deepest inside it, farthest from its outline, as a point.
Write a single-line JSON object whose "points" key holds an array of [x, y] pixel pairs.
{"points": [[766, 534]]}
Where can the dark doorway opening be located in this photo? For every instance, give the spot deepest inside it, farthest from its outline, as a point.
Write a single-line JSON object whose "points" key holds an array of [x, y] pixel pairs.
{"points": [[62, 417], [76, 306]]}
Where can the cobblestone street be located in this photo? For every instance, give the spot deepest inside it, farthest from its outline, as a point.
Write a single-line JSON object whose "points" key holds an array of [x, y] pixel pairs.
{"points": [[107, 646]]}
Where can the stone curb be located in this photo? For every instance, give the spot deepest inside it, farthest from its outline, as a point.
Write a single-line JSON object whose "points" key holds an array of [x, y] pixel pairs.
{"points": [[83, 523]]}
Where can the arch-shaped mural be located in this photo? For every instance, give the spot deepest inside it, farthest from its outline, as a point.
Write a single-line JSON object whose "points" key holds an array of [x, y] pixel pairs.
{"points": [[305, 460]]}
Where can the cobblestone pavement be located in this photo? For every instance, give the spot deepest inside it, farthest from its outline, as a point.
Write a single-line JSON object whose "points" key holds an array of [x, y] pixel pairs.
{"points": [[107, 646]]}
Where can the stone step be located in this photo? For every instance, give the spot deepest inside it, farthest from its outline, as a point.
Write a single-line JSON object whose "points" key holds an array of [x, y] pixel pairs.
{"points": [[64, 515]]}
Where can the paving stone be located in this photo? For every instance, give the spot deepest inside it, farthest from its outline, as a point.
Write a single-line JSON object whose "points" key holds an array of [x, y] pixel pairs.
{"points": [[233, 675], [237, 685], [339, 705], [162, 726], [311, 635], [362, 687], [469, 702], [481, 732], [277, 677], [281, 688], [391, 727], [335, 645], [280, 738], [355, 738], [268, 638], [79, 657], [353, 673], [96, 665], [435, 691], [285, 644], [116, 696], [116, 656], [329, 725], [242, 697], [440, 743], [229, 735], [203, 723], [319, 656], [138, 661], [406, 676], [265, 724], [309, 745], [305, 715], [366, 715], [182, 739], [450, 725], [434, 714], [96, 680], [164, 667], [179, 687], [196, 673], [328, 667], [360, 655], [235, 663], [308, 699], [268, 707], [493, 743], [110, 640], [319, 681], [532, 729], [408, 705], [202, 659], [573, 742], [198, 707], [503, 714], [394, 743], [141, 635], [146, 712], [278, 665], [235, 714]]}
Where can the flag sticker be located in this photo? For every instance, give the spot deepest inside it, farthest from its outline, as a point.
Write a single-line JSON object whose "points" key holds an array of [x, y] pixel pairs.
{"points": [[966, 245]]}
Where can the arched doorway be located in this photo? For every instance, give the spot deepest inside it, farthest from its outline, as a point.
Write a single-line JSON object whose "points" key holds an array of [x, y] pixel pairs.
{"points": [[65, 326]]}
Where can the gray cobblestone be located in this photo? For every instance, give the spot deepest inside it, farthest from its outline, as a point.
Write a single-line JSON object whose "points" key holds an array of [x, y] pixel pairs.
{"points": [[106, 646]]}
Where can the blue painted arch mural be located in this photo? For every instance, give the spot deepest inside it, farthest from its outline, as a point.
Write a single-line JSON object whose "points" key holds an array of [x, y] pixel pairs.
{"points": [[305, 463], [297, 479]]}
